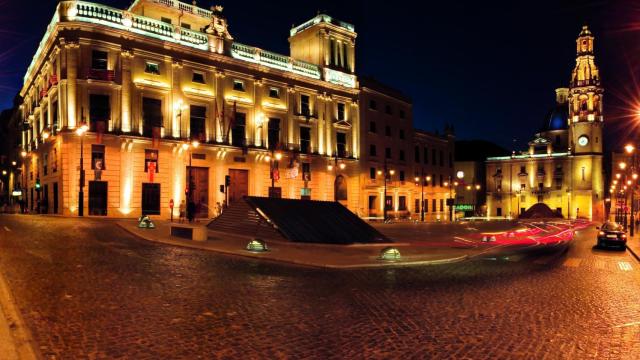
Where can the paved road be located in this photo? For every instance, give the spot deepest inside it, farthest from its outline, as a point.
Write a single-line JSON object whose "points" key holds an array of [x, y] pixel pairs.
{"points": [[89, 290]]}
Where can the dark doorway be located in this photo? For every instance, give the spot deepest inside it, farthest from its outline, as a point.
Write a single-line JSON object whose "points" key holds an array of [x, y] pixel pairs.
{"points": [[55, 197], [45, 200], [200, 187], [98, 198], [340, 188], [150, 199], [372, 205], [239, 185]]}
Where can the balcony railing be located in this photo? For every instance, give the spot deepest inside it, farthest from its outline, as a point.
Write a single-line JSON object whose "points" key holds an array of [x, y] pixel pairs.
{"points": [[192, 9], [104, 75], [273, 60]]}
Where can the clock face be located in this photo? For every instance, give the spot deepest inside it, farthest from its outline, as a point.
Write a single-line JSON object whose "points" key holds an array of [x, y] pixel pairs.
{"points": [[583, 140]]}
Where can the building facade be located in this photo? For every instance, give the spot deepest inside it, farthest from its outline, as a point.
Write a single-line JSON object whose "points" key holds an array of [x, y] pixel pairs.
{"points": [[394, 156], [174, 107], [563, 165]]}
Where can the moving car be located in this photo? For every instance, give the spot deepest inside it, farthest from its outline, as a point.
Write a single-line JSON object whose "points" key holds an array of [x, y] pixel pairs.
{"points": [[611, 234]]}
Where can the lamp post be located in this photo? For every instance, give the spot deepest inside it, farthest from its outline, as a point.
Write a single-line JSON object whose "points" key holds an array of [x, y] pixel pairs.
{"points": [[630, 149], [80, 131], [386, 173], [422, 179], [273, 159]]}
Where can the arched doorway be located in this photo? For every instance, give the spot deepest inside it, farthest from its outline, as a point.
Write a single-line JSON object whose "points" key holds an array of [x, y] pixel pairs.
{"points": [[340, 189]]}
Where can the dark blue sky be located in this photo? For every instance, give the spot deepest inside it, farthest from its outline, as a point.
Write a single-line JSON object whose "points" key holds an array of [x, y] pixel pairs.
{"points": [[490, 68]]}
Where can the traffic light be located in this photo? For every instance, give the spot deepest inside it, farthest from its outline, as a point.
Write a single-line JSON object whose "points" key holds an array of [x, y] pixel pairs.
{"points": [[38, 184], [227, 180]]}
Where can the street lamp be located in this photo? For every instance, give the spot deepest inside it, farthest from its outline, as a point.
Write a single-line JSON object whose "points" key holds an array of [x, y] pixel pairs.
{"points": [[630, 149], [80, 131], [389, 173], [422, 180], [460, 176]]}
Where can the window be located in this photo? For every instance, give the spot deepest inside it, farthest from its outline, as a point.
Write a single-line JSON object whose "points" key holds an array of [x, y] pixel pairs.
{"points": [[402, 114], [426, 205], [55, 120], [151, 115], [372, 202], [372, 150], [373, 105], [372, 127], [426, 156], [583, 173], [523, 187], [416, 206], [387, 153], [523, 171], [388, 203], [402, 203], [433, 179], [441, 158], [441, 180], [45, 163], [238, 131], [99, 111], [238, 85], [274, 93], [372, 173], [97, 157], [305, 140], [306, 172], [341, 113], [341, 144], [441, 204], [54, 160], [304, 105], [165, 20], [401, 155], [401, 134], [387, 109], [150, 156], [401, 176], [433, 156], [387, 130], [433, 205], [198, 77], [197, 120], [450, 160], [416, 154], [185, 25], [152, 68], [99, 60], [273, 133], [498, 184]]}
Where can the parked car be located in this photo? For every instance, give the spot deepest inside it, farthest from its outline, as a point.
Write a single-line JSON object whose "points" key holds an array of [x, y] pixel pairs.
{"points": [[611, 234]]}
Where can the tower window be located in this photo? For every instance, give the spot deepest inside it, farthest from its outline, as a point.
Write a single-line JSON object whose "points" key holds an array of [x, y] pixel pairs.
{"points": [[274, 93], [341, 112], [99, 60]]}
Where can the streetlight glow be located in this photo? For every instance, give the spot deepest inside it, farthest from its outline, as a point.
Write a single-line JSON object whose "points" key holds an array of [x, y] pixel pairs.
{"points": [[278, 156], [629, 148], [622, 165], [342, 166]]}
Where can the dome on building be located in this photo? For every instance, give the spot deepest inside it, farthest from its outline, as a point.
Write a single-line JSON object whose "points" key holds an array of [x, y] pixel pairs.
{"points": [[557, 118]]}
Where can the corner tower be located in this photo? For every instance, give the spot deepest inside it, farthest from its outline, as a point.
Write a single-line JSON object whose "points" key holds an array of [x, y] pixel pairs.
{"points": [[585, 99]]}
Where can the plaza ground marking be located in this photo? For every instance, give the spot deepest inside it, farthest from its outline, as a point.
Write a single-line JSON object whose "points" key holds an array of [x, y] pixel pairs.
{"points": [[628, 324], [7, 229], [600, 264], [624, 266]]}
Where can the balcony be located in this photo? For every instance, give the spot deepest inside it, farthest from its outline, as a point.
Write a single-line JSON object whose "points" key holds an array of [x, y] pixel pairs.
{"points": [[103, 75], [273, 60]]}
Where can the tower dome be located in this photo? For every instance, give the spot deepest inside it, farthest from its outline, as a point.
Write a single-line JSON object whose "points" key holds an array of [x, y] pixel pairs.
{"points": [[558, 117]]}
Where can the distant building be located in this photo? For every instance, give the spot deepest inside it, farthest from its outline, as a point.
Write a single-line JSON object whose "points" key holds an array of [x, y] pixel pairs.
{"points": [[470, 159], [563, 165]]}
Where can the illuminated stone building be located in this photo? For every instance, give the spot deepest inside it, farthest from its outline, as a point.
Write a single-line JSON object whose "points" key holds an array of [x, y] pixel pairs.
{"points": [[389, 141], [153, 81], [563, 166]]}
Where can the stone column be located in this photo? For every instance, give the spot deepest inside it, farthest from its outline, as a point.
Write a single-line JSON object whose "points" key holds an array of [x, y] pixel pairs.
{"points": [[125, 93], [178, 125], [259, 120], [72, 48], [220, 122], [291, 110]]}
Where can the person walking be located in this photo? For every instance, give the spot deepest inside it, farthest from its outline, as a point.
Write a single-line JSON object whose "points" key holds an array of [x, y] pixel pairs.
{"points": [[191, 210], [183, 210]]}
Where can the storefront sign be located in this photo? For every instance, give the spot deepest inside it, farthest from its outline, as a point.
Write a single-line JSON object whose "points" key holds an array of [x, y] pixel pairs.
{"points": [[16, 193], [464, 207]]}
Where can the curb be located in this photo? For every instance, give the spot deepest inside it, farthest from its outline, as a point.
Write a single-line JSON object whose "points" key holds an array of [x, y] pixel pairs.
{"points": [[20, 336], [633, 253], [382, 264]]}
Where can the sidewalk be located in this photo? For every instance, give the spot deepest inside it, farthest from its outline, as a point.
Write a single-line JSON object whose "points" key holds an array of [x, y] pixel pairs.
{"points": [[633, 245], [15, 339], [315, 255]]}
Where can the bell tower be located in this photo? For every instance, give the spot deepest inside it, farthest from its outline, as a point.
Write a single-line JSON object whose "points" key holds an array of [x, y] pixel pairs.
{"points": [[586, 182], [585, 99]]}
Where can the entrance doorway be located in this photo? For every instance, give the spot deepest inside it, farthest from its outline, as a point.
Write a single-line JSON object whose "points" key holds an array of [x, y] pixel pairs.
{"points": [[239, 184], [200, 187], [150, 199], [340, 188], [55, 197], [98, 198]]}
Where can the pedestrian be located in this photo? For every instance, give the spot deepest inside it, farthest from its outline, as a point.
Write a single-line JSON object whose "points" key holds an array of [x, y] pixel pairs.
{"points": [[183, 209], [191, 209]]}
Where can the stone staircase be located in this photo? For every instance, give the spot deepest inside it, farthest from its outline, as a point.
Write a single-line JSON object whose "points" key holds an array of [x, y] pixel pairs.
{"points": [[240, 218]]}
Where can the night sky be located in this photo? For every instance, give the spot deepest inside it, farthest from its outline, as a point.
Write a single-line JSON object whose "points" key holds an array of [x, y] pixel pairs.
{"points": [[488, 68]]}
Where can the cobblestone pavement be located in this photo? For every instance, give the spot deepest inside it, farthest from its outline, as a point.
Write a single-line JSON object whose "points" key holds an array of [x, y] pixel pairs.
{"points": [[89, 290]]}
